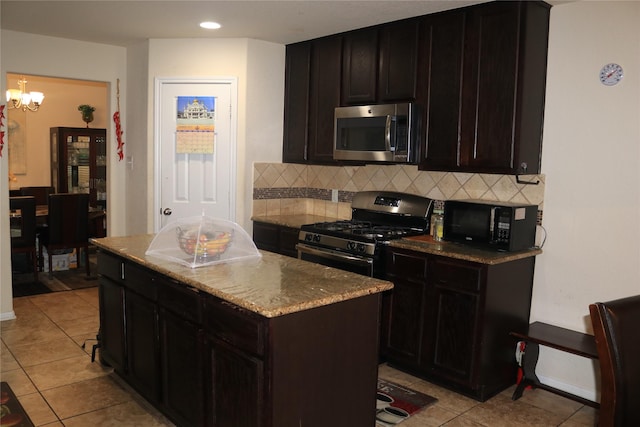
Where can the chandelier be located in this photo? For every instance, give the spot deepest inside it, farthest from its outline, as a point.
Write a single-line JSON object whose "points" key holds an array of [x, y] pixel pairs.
{"points": [[19, 98]]}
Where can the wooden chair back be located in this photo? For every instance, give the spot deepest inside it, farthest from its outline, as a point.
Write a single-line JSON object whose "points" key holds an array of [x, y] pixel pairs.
{"points": [[68, 219], [23, 233], [68, 225], [615, 326], [40, 193]]}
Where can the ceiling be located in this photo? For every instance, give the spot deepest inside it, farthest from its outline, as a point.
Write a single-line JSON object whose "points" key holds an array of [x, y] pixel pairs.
{"points": [[127, 22]]}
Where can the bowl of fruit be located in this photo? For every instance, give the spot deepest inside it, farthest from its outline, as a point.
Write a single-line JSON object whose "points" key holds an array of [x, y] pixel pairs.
{"points": [[203, 244]]}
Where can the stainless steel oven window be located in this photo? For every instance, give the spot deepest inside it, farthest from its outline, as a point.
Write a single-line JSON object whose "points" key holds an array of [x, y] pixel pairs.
{"points": [[336, 259]]}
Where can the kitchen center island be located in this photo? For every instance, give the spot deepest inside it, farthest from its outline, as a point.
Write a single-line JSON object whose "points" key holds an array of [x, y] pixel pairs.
{"points": [[271, 342]]}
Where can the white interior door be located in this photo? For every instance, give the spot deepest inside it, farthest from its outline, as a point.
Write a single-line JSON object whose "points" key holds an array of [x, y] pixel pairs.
{"points": [[195, 142]]}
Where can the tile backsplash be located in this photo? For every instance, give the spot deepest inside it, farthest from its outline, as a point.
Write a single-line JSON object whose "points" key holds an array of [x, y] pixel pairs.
{"points": [[287, 188]]}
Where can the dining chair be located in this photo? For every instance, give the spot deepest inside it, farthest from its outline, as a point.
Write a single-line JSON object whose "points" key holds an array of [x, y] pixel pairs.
{"points": [[23, 229], [67, 226], [615, 326], [41, 193]]}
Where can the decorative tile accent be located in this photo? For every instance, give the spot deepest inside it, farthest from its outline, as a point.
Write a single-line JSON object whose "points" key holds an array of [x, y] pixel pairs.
{"points": [[277, 185]]}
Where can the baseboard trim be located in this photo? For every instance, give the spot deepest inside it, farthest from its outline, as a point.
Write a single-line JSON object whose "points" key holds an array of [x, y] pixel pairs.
{"points": [[11, 315], [586, 394]]}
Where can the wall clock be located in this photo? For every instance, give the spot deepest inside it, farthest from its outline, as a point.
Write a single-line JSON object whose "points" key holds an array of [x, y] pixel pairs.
{"points": [[611, 74]]}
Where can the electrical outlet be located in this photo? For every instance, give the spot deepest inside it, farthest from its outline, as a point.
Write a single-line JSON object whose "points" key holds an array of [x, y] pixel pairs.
{"points": [[334, 196]]}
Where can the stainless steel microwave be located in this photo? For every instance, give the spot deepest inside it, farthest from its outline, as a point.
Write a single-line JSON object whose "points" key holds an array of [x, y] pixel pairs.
{"points": [[490, 225], [376, 133]]}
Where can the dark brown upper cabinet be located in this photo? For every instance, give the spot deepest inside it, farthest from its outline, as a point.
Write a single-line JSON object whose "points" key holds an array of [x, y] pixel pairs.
{"points": [[312, 92], [398, 61], [442, 45], [482, 74], [360, 67], [478, 74], [379, 64], [296, 102], [324, 97]]}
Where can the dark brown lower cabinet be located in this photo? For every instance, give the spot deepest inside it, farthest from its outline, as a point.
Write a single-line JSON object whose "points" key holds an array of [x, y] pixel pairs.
{"points": [[448, 320], [141, 332], [276, 238], [112, 345], [403, 318], [203, 361], [235, 386], [182, 343]]}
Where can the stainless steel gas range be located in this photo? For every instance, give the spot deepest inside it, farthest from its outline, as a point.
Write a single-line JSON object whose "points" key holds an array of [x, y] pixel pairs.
{"points": [[358, 245]]}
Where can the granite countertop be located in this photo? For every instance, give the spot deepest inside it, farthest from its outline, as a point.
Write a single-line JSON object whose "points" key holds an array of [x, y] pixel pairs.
{"points": [[294, 221], [271, 286], [426, 244]]}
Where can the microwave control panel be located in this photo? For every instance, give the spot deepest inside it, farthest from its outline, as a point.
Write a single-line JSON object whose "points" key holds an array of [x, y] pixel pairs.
{"points": [[504, 225]]}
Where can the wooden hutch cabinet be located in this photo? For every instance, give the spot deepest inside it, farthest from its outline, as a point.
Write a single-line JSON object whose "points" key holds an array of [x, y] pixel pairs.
{"points": [[79, 162]]}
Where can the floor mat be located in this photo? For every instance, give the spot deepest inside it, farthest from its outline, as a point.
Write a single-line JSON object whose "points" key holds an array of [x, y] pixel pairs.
{"points": [[24, 285], [11, 411], [72, 279], [396, 403], [67, 280]]}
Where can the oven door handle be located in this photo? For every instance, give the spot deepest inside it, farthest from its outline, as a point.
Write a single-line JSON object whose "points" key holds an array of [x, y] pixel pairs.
{"points": [[334, 255]]}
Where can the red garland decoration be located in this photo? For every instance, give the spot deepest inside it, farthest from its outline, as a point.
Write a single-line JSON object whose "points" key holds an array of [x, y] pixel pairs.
{"points": [[1, 126], [116, 119]]}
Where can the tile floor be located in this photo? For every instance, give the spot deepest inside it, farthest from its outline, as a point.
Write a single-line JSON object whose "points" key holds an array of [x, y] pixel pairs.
{"points": [[42, 359]]}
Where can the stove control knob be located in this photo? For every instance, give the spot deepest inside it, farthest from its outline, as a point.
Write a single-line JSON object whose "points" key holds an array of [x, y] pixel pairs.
{"points": [[360, 247], [351, 246], [316, 238], [308, 237]]}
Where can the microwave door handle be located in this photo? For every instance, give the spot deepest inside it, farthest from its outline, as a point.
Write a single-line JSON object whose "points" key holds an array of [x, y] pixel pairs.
{"points": [[492, 223], [387, 133]]}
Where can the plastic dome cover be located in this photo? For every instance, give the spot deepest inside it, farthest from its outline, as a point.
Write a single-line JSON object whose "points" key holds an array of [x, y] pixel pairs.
{"points": [[200, 241]]}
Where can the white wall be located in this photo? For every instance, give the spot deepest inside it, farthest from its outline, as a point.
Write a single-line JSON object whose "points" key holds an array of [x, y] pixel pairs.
{"points": [[591, 159], [265, 116], [139, 169], [6, 293], [56, 57], [259, 69]]}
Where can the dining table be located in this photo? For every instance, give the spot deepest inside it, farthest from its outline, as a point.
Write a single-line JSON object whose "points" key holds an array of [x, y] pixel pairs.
{"points": [[97, 215]]}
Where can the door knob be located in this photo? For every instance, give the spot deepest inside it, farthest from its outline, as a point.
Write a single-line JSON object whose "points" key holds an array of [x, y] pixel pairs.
{"points": [[166, 211]]}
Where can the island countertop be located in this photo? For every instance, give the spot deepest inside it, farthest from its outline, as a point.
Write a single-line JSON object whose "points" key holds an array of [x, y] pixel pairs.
{"points": [[271, 286]]}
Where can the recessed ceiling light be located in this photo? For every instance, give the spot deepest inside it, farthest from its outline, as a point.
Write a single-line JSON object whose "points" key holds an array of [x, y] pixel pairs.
{"points": [[210, 25]]}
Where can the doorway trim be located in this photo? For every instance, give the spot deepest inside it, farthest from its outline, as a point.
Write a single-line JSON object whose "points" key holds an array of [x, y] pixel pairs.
{"points": [[159, 83]]}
